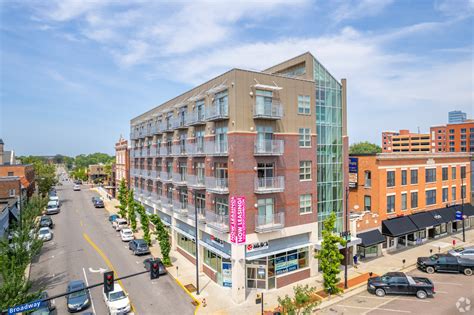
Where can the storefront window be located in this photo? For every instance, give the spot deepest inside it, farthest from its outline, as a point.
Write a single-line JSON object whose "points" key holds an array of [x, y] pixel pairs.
{"points": [[187, 244]]}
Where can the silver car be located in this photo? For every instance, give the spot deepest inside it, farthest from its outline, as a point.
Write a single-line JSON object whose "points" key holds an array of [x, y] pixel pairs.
{"points": [[463, 252], [45, 234]]}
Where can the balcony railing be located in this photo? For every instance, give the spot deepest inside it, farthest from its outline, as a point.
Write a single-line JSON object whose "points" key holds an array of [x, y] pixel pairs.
{"points": [[163, 151], [217, 185], [135, 172], [200, 212], [179, 178], [168, 126], [216, 148], [180, 208], [269, 147], [147, 193], [270, 111], [264, 185], [167, 202], [269, 222], [165, 176], [195, 149], [217, 113], [196, 182], [178, 149], [217, 221], [155, 198], [152, 174], [196, 118], [153, 151], [180, 122]]}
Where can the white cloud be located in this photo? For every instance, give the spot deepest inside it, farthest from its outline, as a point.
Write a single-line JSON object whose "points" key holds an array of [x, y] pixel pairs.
{"points": [[55, 75], [350, 10]]}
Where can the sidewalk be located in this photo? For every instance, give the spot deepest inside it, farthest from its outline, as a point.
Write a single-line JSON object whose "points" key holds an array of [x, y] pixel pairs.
{"points": [[218, 299]]}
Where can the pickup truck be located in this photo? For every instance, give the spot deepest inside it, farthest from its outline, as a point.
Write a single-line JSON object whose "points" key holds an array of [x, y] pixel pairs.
{"points": [[400, 283], [445, 263]]}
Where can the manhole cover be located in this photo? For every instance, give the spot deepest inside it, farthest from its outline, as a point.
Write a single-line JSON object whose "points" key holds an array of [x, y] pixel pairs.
{"points": [[190, 287]]}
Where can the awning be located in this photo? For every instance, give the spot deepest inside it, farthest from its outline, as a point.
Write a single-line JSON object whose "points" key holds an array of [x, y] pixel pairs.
{"points": [[268, 87], [215, 250], [424, 219], [278, 251], [371, 238], [15, 212], [468, 210], [184, 233], [448, 214], [398, 226]]}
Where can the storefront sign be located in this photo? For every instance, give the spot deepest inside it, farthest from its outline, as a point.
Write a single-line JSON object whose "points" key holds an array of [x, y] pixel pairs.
{"points": [[227, 274], [353, 171], [257, 246], [217, 241], [280, 265], [237, 220], [292, 262]]}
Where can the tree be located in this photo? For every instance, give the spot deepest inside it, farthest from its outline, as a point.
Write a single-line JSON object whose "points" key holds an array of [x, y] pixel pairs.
{"points": [[329, 255], [163, 239], [364, 148], [45, 175], [123, 199], [303, 302], [131, 211], [145, 221]]}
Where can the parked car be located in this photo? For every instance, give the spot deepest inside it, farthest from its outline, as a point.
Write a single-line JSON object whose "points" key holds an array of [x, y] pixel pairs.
{"points": [[120, 224], [46, 308], [54, 198], [99, 203], [76, 188], [46, 221], [94, 198], [445, 263], [117, 301], [147, 265], [400, 283], [80, 300], [463, 252], [127, 235], [138, 247], [113, 217], [52, 207], [45, 234]]}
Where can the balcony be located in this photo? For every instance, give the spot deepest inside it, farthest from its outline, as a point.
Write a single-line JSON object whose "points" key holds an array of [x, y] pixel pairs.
{"points": [[137, 193], [165, 176], [217, 113], [135, 172], [195, 149], [196, 118], [179, 179], [269, 147], [155, 199], [163, 151], [265, 185], [271, 111], [200, 212], [153, 151], [196, 182], [269, 222], [147, 192], [180, 122], [216, 148], [219, 222], [217, 185], [168, 126], [151, 174], [167, 202], [180, 208], [178, 150]]}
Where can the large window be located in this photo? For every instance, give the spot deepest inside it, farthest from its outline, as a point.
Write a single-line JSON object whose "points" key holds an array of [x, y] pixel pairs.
{"points": [[305, 137], [367, 203], [453, 193], [445, 173], [430, 197], [304, 104], [453, 172], [305, 203], [368, 179], [391, 204], [430, 175], [390, 178], [263, 101], [413, 177], [404, 177], [222, 205], [288, 261], [414, 199], [187, 244], [305, 170], [445, 194], [463, 172], [404, 201]]}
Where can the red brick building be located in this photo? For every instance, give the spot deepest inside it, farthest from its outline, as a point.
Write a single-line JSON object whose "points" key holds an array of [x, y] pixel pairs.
{"points": [[405, 141], [457, 137], [26, 173]]}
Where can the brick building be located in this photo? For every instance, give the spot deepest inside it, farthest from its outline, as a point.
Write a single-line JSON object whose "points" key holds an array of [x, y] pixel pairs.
{"points": [[122, 162], [405, 141], [458, 137], [252, 135], [25, 172], [409, 197], [97, 173]]}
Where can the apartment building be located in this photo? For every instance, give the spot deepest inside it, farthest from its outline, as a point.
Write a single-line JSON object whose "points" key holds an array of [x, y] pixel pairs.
{"points": [[404, 199], [405, 141], [456, 137], [122, 162], [239, 155]]}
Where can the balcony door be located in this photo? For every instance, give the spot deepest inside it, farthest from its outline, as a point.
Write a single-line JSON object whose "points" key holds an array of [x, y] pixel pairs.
{"points": [[264, 137], [265, 173], [221, 138], [265, 211], [200, 110], [264, 102], [199, 134]]}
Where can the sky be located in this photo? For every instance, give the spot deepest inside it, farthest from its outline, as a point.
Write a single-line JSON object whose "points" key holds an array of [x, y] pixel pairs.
{"points": [[73, 73]]}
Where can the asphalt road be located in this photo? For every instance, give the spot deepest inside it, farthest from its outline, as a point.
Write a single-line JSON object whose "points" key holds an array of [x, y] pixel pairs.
{"points": [[452, 291], [83, 243]]}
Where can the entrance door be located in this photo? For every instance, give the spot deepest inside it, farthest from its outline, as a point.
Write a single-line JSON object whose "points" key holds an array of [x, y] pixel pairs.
{"points": [[256, 276]]}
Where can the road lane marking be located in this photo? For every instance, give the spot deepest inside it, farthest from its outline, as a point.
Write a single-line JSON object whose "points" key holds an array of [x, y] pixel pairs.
{"points": [[90, 295], [372, 308], [107, 262], [398, 299], [449, 283]]}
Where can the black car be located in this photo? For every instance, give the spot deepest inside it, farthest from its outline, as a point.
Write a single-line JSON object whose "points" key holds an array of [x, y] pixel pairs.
{"points": [[46, 308], [147, 265], [80, 300], [94, 198], [46, 221], [138, 247], [99, 203], [399, 283], [445, 263]]}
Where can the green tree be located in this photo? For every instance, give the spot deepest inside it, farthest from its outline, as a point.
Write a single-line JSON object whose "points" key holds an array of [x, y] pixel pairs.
{"points": [[329, 255], [163, 238], [45, 175], [304, 301], [123, 199], [364, 148], [145, 222], [131, 211]]}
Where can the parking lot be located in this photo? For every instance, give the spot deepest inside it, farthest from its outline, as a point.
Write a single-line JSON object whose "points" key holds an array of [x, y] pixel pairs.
{"points": [[454, 293]]}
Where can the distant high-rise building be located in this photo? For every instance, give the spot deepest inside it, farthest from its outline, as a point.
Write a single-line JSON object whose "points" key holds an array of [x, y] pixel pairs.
{"points": [[456, 116]]}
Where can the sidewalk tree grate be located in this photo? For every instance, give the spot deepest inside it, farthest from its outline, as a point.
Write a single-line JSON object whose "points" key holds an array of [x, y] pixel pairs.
{"points": [[190, 287]]}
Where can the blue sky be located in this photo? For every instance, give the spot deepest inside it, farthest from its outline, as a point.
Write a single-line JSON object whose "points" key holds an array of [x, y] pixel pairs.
{"points": [[73, 73]]}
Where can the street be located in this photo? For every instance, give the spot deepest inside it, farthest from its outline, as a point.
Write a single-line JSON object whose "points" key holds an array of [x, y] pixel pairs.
{"points": [[83, 244], [450, 289]]}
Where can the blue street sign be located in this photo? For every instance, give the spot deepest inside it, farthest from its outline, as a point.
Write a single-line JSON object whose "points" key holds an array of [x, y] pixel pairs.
{"points": [[24, 307], [458, 215]]}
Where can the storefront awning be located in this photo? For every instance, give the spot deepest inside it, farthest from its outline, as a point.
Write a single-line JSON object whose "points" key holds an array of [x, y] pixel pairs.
{"points": [[371, 238], [278, 251], [398, 226], [215, 250], [469, 210], [423, 220], [448, 214], [184, 233]]}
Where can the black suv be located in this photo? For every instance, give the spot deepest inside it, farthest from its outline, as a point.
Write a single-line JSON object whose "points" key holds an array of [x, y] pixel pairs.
{"points": [[46, 221], [399, 283], [138, 247]]}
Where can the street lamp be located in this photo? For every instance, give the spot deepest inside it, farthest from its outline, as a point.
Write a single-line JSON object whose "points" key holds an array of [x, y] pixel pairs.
{"points": [[346, 235], [462, 204]]}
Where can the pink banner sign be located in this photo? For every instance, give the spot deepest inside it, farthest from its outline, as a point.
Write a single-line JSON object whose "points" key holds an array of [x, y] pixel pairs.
{"points": [[237, 220]]}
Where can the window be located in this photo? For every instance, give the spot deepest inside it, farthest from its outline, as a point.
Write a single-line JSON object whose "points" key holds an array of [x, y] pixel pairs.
{"points": [[367, 203], [404, 201], [305, 203], [368, 179], [445, 194], [187, 244], [414, 199], [453, 172], [11, 192], [404, 177], [305, 170], [430, 197], [463, 130], [222, 205], [463, 137], [304, 104], [445, 173], [390, 178], [453, 193], [263, 102], [305, 138], [451, 130], [10, 174], [413, 177], [451, 137], [430, 175], [265, 210], [463, 172], [463, 192], [391, 204]]}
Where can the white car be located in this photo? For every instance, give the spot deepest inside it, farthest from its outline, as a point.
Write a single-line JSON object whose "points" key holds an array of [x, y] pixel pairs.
{"points": [[45, 234], [54, 198], [463, 252], [52, 207], [117, 301], [127, 235], [76, 187], [120, 224]]}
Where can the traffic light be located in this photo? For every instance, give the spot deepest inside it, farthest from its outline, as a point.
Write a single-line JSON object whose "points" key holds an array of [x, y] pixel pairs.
{"points": [[154, 269], [108, 281]]}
